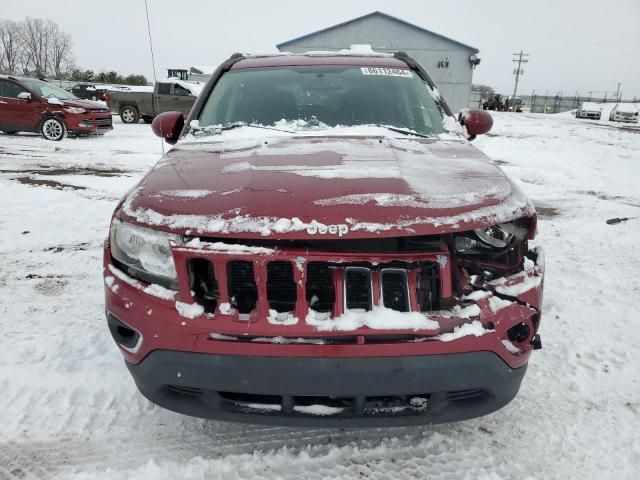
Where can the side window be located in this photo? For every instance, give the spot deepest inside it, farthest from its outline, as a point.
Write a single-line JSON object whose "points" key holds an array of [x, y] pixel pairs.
{"points": [[178, 90], [10, 89], [164, 89], [76, 88]]}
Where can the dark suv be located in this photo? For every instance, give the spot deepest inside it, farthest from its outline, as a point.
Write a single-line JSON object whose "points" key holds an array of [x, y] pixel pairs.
{"points": [[324, 246], [32, 105], [88, 91]]}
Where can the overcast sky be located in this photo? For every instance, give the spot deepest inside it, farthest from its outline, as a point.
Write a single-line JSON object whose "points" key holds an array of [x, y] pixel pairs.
{"points": [[575, 45]]}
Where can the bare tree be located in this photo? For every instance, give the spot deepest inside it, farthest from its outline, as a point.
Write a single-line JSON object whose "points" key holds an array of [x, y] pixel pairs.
{"points": [[60, 59], [35, 46], [11, 51], [37, 38]]}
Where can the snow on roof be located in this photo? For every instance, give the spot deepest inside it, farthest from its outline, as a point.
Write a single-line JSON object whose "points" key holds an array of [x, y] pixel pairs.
{"points": [[203, 70], [355, 50], [194, 87]]}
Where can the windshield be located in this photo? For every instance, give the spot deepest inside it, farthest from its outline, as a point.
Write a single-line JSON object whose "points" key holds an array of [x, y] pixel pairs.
{"points": [[47, 90], [324, 96]]}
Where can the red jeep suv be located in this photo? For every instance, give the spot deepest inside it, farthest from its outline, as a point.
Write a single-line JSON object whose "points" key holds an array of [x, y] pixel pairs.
{"points": [[31, 105], [324, 246]]}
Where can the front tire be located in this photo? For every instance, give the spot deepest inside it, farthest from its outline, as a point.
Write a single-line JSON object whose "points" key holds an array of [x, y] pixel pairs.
{"points": [[129, 115], [53, 129]]}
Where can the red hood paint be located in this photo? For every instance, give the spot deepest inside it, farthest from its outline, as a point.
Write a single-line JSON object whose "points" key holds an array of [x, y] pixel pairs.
{"points": [[376, 186], [88, 104]]}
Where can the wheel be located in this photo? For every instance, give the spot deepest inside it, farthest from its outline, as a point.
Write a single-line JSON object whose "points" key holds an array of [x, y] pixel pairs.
{"points": [[129, 114], [147, 119], [53, 128]]}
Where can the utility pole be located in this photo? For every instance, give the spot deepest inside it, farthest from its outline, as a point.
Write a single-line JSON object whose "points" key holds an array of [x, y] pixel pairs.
{"points": [[618, 92], [520, 59]]}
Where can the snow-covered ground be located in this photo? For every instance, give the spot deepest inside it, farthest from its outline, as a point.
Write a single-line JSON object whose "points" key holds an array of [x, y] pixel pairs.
{"points": [[69, 409]]}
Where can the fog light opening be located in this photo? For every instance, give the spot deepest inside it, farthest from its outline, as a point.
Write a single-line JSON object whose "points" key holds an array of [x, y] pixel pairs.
{"points": [[519, 333]]}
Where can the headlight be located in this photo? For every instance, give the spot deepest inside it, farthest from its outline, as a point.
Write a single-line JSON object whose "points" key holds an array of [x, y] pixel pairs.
{"points": [[495, 237], [143, 249], [74, 110]]}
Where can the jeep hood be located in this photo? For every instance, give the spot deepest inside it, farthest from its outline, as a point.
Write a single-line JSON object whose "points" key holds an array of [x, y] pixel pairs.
{"points": [[300, 187]]}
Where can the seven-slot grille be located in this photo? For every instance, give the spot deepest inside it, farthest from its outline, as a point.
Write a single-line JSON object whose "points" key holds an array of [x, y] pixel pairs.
{"points": [[288, 285]]}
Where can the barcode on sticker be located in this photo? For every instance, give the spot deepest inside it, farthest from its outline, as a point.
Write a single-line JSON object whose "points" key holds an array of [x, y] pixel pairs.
{"points": [[387, 72]]}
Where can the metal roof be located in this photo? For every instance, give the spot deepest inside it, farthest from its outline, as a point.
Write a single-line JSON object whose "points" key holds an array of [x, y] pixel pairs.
{"points": [[378, 14]]}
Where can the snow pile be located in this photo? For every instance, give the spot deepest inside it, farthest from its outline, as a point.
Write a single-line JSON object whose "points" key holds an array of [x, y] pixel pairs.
{"points": [[474, 328], [281, 318], [225, 308], [151, 289], [380, 318], [318, 410], [189, 310], [514, 289], [231, 248]]}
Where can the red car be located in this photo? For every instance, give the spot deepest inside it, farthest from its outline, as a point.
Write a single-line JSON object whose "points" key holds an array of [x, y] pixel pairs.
{"points": [[31, 105], [324, 246]]}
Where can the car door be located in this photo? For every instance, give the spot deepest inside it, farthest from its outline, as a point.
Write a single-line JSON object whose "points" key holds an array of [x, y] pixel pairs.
{"points": [[77, 91], [16, 114], [164, 98], [183, 100]]}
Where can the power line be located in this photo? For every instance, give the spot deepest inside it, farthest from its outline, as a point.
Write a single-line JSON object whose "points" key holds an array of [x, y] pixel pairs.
{"points": [[521, 58]]}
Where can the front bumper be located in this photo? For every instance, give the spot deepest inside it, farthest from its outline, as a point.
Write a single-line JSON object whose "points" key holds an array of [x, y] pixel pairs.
{"points": [[88, 124], [336, 392], [218, 366]]}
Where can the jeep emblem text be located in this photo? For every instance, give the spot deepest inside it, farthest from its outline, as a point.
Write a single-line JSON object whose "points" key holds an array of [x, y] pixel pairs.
{"points": [[315, 227]]}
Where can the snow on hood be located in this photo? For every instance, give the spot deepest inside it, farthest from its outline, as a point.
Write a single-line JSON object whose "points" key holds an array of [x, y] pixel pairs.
{"points": [[626, 107], [324, 186], [590, 107]]}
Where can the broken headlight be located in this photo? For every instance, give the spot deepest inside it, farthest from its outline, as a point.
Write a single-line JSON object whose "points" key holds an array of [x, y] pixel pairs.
{"points": [[146, 252], [496, 237]]}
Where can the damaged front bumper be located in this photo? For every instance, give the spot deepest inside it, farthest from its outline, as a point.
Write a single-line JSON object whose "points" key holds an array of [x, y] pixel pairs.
{"points": [[459, 363]]}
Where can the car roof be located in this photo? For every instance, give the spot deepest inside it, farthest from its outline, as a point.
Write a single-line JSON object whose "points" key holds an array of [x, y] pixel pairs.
{"points": [[315, 59], [19, 78]]}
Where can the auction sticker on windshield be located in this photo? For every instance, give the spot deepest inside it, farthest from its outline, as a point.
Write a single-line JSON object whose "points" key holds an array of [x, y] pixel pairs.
{"points": [[387, 72]]}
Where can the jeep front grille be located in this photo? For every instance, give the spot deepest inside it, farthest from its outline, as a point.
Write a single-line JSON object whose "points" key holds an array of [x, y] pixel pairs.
{"points": [[295, 283]]}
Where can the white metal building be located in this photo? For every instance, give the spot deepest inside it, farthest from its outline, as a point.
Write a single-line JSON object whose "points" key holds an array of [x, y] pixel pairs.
{"points": [[449, 63]]}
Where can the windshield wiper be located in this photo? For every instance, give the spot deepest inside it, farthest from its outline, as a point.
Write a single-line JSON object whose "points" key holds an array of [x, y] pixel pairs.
{"points": [[217, 130], [402, 130]]}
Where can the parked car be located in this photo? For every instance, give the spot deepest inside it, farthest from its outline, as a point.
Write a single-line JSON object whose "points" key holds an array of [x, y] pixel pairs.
{"points": [[589, 110], [324, 246], [139, 102], [32, 105], [514, 104], [89, 92], [625, 112]]}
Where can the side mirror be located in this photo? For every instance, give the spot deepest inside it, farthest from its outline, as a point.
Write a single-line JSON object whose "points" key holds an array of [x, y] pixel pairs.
{"points": [[24, 96], [168, 126], [476, 122]]}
